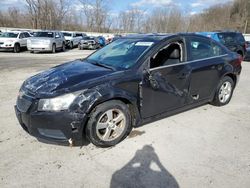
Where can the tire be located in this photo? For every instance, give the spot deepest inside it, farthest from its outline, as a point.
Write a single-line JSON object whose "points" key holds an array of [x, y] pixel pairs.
{"points": [[54, 48], [71, 46], [17, 48], [31, 52], [103, 129], [224, 92], [79, 47], [63, 47]]}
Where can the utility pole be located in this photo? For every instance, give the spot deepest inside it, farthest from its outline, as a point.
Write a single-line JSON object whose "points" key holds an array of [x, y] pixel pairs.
{"points": [[245, 29]]}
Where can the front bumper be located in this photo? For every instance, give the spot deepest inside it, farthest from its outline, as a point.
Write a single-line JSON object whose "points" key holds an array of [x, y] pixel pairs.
{"points": [[39, 47], [6, 46], [52, 126]]}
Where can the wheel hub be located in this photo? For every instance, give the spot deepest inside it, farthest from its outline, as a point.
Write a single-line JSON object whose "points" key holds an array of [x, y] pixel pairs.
{"points": [[111, 125], [225, 92]]}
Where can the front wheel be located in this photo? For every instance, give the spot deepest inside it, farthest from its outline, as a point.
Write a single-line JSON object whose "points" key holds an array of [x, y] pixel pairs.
{"points": [[71, 46], [63, 47], [79, 47], [224, 92], [53, 48], [109, 124], [17, 48]]}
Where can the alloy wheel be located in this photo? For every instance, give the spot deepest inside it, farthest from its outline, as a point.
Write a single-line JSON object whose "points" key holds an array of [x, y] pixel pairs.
{"points": [[111, 125], [225, 92]]}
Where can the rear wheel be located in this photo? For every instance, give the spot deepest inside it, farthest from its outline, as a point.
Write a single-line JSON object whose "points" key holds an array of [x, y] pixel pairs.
{"points": [[17, 48], [224, 92], [109, 124]]}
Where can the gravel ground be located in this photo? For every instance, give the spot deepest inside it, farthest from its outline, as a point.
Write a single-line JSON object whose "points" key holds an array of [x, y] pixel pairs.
{"points": [[204, 147]]}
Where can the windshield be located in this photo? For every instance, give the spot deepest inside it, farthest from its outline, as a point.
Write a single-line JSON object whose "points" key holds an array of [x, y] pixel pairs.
{"points": [[44, 34], [227, 37], [122, 53], [67, 34], [9, 35], [88, 38]]}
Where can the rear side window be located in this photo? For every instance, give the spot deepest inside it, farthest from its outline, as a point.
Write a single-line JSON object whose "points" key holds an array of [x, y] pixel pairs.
{"points": [[201, 48]]}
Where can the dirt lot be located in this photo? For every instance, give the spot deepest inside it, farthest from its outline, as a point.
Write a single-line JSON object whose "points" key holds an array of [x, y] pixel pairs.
{"points": [[204, 147]]}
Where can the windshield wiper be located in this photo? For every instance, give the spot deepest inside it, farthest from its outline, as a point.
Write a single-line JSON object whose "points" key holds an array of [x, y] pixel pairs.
{"points": [[102, 65]]}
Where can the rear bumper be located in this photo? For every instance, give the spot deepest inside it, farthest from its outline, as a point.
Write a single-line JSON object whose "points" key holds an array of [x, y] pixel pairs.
{"points": [[52, 126], [88, 46]]}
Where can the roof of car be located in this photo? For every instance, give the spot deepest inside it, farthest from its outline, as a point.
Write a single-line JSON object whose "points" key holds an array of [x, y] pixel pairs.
{"points": [[153, 37], [14, 31], [218, 31], [158, 37]]}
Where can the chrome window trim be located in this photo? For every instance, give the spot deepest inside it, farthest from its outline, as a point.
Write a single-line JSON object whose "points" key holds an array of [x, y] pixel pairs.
{"points": [[187, 62]]}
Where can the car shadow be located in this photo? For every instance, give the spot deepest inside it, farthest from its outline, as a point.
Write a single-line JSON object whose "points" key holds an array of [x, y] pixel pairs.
{"points": [[143, 170]]}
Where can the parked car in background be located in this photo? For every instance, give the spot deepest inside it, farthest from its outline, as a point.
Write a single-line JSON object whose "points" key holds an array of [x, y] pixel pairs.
{"points": [[89, 43], [234, 41], [72, 39], [247, 56], [131, 81], [117, 36], [101, 40], [15, 40], [49, 41]]}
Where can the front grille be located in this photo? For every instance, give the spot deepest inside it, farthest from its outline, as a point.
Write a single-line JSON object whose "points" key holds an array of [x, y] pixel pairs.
{"points": [[37, 42], [23, 104]]}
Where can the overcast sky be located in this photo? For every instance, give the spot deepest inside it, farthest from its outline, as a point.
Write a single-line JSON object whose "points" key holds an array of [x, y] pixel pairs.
{"points": [[190, 6]]}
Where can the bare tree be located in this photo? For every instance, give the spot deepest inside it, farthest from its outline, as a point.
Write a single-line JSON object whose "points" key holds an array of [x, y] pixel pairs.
{"points": [[96, 14], [47, 14]]}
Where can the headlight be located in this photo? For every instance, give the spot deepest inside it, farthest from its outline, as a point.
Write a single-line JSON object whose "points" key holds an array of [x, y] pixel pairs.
{"points": [[58, 103]]}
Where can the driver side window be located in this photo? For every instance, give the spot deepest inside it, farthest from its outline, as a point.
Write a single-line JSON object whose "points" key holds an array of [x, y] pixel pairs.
{"points": [[169, 55]]}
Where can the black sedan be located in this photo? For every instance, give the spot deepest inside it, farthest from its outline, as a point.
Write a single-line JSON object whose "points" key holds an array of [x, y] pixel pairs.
{"points": [[132, 81]]}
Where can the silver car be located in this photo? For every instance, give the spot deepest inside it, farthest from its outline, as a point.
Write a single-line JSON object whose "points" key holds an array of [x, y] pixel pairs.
{"points": [[49, 41]]}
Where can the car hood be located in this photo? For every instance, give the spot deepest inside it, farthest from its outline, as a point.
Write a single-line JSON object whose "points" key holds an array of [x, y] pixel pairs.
{"points": [[4, 39], [39, 38], [64, 78]]}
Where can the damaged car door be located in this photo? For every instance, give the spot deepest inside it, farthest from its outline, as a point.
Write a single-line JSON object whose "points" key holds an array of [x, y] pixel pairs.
{"points": [[165, 84], [207, 60]]}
